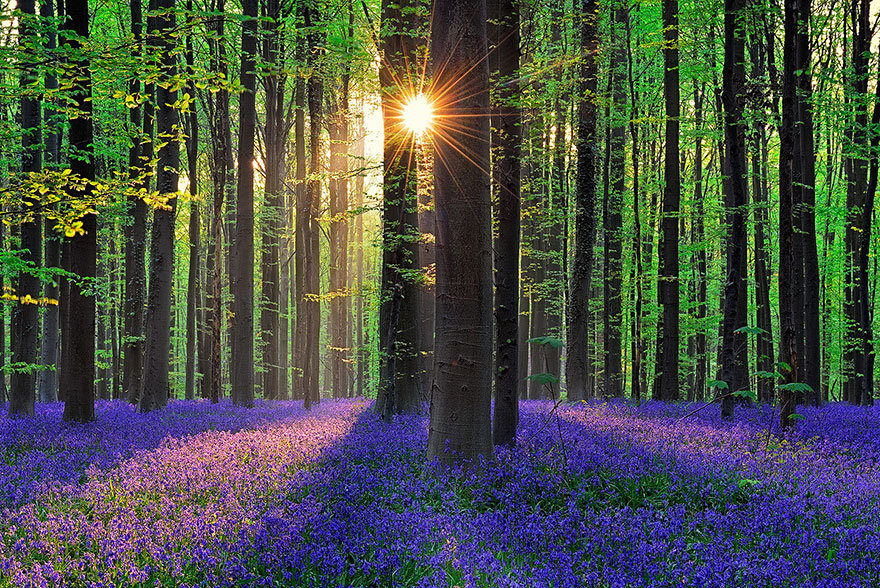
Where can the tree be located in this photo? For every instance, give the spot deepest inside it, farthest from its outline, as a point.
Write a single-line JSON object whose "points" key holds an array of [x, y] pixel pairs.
{"points": [[734, 353], [80, 252], [398, 315], [155, 382], [460, 429], [668, 278], [577, 367], [192, 292], [47, 382], [242, 254], [612, 220], [506, 139], [25, 316]]}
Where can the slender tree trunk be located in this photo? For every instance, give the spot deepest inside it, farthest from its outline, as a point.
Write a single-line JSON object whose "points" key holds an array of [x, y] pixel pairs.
{"points": [[311, 278], [302, 229], [506, 139], [80, 252], [47, 380], [359, 149], [338, 350], [612, 218], [577, 365], [192, 290], [25, 315], [275, 141], [156, 384], [460, 429]]}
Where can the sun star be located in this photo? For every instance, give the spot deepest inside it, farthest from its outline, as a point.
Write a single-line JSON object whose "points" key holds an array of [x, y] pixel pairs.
{"points": [[418, 114]]}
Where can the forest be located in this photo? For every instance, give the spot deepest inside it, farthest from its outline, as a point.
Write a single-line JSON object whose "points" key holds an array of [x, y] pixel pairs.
{"points": [[439, 293]]}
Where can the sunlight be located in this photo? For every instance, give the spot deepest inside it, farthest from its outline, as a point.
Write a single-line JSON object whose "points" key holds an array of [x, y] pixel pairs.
{"points": [[418, 114]]}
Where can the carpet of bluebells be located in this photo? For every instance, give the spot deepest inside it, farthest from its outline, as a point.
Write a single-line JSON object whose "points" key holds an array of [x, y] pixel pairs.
{"points": [[601, 494]]}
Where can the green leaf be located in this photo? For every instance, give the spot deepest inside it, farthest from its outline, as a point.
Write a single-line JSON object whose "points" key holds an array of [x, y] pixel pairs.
{"points": [[554, 342], [746, 394], [795, 387], [544, 378], [720, 384]]}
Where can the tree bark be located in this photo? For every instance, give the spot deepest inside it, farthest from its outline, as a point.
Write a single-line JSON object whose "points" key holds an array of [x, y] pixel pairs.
{"points": [[192, 288], [80, 254], [734, 356], [577, 365], [399, 339], [668, 287], [460, 429], [242, 252], [155, 385], [47, 379], [506, 139], [25, 315]]}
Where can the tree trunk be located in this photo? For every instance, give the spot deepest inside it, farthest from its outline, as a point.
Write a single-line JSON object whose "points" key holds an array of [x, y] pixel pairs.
{"points": [[311, 278], [577, 365], [667, 273], [734, 356], [139, 157], [506, 139], [275, 141], [47, 380], [338, 349], [612, 218], [155, 384], [399, 339], [460, 429], [80, 254], [192, 289], [25, 315], [242, 253]]}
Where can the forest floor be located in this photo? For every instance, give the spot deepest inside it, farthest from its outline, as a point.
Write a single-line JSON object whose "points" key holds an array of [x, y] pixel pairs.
{"points": [[596, 494]]}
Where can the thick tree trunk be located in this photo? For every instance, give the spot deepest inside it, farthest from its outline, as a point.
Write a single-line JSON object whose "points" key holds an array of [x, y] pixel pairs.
{"points": [[734, 356], [242, 253], [80, 252], [577, 365], [460, 429], [764, 354], [155, 385], [25, 315], [668, 287]]}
